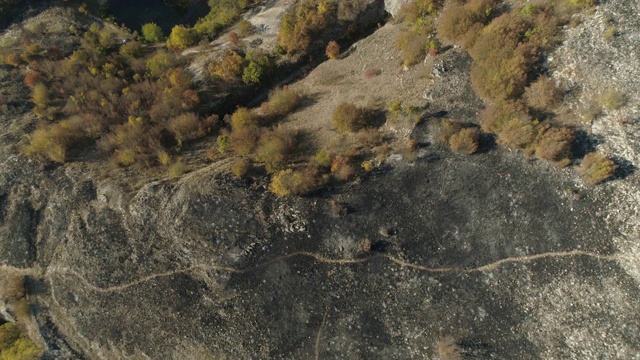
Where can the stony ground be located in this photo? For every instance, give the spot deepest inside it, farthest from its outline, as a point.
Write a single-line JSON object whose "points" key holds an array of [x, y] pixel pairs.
{"points": [[485, 257]]}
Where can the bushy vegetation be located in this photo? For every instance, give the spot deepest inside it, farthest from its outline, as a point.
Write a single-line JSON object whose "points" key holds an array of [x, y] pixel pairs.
{"points": [[275, 148], [16, 345], [348, 117], [612, 100], [303, 23], [297, 181], [596, 168], [152, 33], [416, 40], [465, 141], [281, 101], [333, 50], [555, 145], [252, 68], [131, 103]]}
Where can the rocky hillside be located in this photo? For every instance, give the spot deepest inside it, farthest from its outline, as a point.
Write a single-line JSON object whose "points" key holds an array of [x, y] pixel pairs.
{"points": [[431, 255]]}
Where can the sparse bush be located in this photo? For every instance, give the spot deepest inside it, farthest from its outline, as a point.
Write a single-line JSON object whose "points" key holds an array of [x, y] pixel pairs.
{"points": [[177, 169], [52, 142], [348, 117], [446, 348], [583, 4], [229, 68], [233, 38], [610, 33], [412, 45], [244, 131], [274, 148], [342, 168], [465, 141], [304, 22], [596, 168], [125, 157], [370, 138], [612, 100], [32, 78], [555, 145], [152, 33], [517, 133], [224, 142], [282, 101], [371, 72], [495, 116], [188, 126], [297, 182], [13, 59], [240, 167], [15, 287], [542, 94], [132, 49], [460, 23], [444, 129], [323, 158], [163, 157], [245, 27], [332, 50]]}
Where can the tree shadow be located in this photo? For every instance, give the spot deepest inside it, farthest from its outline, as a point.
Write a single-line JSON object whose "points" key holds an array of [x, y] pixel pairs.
{"points": [[486, 143], [624, 169], [584, 143]]}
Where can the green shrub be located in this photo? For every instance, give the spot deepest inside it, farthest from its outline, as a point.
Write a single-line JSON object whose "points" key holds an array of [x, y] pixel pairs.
{"points": [[612, 100], [52, 142], [323, 158], [297, 182], [223, 142], [125, 157], [163, 157], [596, 168], [555, 145], [253, 73], [245, 27], [152, 33], [15, 344], [465, 141], [348, 117], [177, 169], [181, 37], [610, 33]]}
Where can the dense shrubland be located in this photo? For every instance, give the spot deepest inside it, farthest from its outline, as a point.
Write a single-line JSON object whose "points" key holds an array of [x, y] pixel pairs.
{"points": [[507, 44], [130, 101]]}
